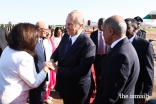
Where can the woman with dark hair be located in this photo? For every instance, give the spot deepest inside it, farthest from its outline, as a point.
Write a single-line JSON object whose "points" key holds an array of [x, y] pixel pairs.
{"points": [[58, 33], [17, 69]]}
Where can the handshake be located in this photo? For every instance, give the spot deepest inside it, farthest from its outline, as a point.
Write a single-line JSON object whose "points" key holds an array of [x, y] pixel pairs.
{"points": [[50, 65]]}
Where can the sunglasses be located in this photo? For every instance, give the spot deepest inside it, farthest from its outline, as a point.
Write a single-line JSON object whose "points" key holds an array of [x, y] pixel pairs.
{"points": [[138, 23]]}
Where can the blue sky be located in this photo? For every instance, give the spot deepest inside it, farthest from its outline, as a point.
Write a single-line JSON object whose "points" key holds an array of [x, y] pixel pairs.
{"points": [[54, 12]]}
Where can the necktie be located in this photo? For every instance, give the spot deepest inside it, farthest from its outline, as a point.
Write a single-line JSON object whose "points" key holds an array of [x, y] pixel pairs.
{"points": [[109, 49], [41, 41], [68, 44], [101, 45]]}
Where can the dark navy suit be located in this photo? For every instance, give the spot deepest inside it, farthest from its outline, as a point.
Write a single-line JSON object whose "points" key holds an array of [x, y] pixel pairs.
{"points": [[119, 73], [145, 53], [74, 80]]}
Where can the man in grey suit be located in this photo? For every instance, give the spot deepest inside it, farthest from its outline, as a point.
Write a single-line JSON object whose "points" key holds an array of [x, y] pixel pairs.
{"points": [[36, 96], [3, 39]]}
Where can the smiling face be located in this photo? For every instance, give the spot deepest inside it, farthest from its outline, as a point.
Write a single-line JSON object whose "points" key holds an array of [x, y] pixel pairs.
{"points": [[74, 23], [59, 33], [43, 28], [71, 25]]}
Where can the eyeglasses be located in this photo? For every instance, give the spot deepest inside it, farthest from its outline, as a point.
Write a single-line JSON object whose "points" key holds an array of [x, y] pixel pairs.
{"points": [[42, 29]]}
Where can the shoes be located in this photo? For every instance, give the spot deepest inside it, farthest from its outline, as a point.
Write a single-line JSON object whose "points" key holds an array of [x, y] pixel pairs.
{"points": [[49, 100]]}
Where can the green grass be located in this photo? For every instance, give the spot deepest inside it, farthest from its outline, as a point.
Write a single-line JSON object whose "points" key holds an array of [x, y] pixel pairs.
{"points": [[150, 29]]}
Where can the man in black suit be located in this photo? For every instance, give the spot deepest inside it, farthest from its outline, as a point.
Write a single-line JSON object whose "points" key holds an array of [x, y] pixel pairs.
{"points": [[140, 33], [75, 55], [3, 39], [120, 66], [145, 53], [96, 36]]}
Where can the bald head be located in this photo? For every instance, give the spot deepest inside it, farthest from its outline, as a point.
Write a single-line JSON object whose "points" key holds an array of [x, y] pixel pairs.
{"points": [[117, 23], [43, 28], [42, 24], [114, 28]]}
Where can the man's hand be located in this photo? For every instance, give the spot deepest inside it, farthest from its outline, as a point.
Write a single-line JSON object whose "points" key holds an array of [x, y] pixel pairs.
{"points": [[51, 64], [142, 101]]}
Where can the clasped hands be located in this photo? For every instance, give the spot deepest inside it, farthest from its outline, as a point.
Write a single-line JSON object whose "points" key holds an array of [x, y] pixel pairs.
{"points": [[50, 65]]}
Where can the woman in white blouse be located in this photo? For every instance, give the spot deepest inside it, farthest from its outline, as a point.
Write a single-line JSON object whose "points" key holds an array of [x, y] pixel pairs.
{"points": [[17, 69], [58, 33]]}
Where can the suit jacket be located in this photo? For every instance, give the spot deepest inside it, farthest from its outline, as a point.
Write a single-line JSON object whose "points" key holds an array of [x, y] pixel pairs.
{"points": [[119, 73], [94, 37], [74, 78], [141, 34], [39, 59], [145, 53], [3, 39]]}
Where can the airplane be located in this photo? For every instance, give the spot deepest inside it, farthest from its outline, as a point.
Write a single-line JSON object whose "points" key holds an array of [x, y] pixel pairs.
{"points": [[91, 23], [148, 23], [149, 20], [145, 24]]}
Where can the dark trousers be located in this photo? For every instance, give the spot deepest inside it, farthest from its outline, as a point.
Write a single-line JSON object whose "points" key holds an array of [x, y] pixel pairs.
{"points": [[36, 95], [97, 67], [86, 101], [65, 101]]}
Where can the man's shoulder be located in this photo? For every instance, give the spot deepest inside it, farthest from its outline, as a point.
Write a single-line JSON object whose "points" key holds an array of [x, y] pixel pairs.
{"points": [[86, 39], [143, 31], [94, 32], [140, 40], [143, 44]]}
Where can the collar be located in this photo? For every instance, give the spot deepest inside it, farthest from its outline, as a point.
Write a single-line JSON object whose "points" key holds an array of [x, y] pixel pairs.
{"points": [[73, 38], [132, 38], [99, 31], [115, 42]]}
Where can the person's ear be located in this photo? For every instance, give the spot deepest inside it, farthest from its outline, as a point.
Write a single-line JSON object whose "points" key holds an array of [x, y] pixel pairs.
{"points": [[111, 31]]}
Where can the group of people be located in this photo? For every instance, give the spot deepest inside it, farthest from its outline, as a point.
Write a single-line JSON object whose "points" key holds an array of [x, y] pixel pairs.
{"points": [[123, 63], [145, 54], [36, 45]]}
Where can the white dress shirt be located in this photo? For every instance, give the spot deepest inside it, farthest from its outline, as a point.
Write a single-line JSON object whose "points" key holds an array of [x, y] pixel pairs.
{"points": [[117, 41], [73, 38], [47, 48], [132, 38]]}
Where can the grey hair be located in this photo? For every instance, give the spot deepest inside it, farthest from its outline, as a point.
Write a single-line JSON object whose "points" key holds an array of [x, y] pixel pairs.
{"points": [[80, 18], [118, 27]]}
